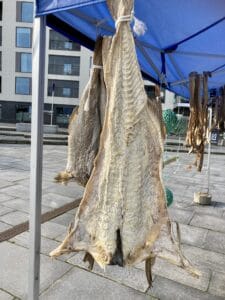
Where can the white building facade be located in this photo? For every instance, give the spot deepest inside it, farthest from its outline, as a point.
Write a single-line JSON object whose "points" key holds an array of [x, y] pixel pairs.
{"points": [[67, 67]]}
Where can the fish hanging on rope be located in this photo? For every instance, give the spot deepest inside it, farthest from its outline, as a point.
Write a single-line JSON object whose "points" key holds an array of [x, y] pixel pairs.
{"points": [[122, 218], [196, 136], [219, 111], [85, 125]]}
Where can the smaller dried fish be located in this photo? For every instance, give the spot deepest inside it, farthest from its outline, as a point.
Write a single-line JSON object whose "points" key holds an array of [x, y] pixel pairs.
{"points": [[219, 111], [198, 121], [85, 126]]}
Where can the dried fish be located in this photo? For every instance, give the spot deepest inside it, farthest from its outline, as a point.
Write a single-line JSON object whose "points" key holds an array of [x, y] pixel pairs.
{"points": [[122, 218], [85, 125], [198, 121], [219, 111]]}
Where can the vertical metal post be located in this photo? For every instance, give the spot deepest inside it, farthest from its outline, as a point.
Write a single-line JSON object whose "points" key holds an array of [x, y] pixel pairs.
{"points": [[38, 65], [52, 107], [209, 148]]}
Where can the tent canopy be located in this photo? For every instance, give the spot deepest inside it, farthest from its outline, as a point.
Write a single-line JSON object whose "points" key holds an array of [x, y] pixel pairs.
{"points": [[181, 37]]}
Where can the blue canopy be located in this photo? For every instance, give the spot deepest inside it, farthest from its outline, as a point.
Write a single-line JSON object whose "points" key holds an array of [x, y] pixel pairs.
{"points": [[182, 36]]}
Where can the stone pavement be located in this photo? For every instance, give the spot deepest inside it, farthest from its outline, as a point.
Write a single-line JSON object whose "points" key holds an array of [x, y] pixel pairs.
{"points": [[202, 231]]}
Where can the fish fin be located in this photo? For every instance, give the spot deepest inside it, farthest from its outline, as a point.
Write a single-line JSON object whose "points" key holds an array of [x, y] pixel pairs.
{"points": [[88, 258], [149, 262], [63, 177]]}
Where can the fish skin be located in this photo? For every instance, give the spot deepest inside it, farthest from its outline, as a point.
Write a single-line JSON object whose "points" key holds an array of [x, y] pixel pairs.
{"points": [[85, 126], [125, 192], [198, 121]]}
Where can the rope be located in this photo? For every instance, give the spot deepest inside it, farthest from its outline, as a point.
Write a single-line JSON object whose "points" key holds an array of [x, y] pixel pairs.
{"points": [[127, 18], [97, 67]]}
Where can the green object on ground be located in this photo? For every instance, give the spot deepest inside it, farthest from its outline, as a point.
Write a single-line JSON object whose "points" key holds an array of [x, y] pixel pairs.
{"points": [[174, 125], [169, 197], [170, 120]]}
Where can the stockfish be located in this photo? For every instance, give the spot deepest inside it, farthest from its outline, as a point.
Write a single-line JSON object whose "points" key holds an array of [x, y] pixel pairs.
{"points": [[85, 125], [122, 218], [198, 120]]}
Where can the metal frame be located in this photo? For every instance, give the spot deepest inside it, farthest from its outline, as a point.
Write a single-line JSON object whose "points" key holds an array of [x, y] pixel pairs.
{"points": [[38, 74]]}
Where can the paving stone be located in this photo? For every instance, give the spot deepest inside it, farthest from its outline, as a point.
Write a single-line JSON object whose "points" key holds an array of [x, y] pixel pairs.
{"points": [[4, 210], [3, 227], [208, 222], [217, 284], [64, 219], [17, 191], [180, 216], [4, 197], [71, 190], [52, 230], [53, 200], [166, 289], [21, 239], [215, 241], [61, 237], [211, 260], [73, 211], [13, 175], [220, 205], [47, 245], [182, 183], [4, 183], [45, 183], [192, 235], [14, 263], [5, 296], [80, 284], [172, 272], [128, 276], [14, 218], [208, 210], [23, 205]]}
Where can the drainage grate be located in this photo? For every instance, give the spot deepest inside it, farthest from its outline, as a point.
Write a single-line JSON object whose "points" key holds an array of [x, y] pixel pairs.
{"points": [[17, 229]]}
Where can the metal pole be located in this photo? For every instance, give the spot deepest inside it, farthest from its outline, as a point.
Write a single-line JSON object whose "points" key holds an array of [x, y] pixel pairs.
{"points": [[38, 64], [53, 94], [209, 149]]}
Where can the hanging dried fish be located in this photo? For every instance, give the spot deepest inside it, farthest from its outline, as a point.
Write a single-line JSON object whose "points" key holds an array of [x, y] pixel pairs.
{"points": [[122, 218], [198, 121], [85, 125], [219, 111]]}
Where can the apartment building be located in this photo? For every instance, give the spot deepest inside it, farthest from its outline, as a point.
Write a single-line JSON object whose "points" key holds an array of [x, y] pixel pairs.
{"points": [[67, 68]]}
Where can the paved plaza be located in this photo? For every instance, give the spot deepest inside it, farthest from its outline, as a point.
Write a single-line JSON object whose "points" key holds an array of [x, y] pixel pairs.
{"points": [[67, 277]]}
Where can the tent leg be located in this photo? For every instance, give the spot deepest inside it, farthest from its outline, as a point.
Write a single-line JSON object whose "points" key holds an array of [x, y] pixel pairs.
{"points": [[38, 65]]}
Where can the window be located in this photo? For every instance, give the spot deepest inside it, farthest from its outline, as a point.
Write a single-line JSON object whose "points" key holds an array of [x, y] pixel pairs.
{"points": [[23, 62], [0, 10], [0, 35], [63, 115], [23, 85], [63, 88], [150, 90], [0, 61], [23, 37], [0, 84], [64, 65], [59, 42], [23, 113], [24, 12]]}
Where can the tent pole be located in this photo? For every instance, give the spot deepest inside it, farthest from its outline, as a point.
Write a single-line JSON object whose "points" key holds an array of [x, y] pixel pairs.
{"points": [[38, 71], [209, 148]]}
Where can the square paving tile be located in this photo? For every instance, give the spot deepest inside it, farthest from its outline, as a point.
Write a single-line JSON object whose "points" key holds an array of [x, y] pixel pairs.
{"points": [[14, 218], [14, 270], [80, 284]]}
